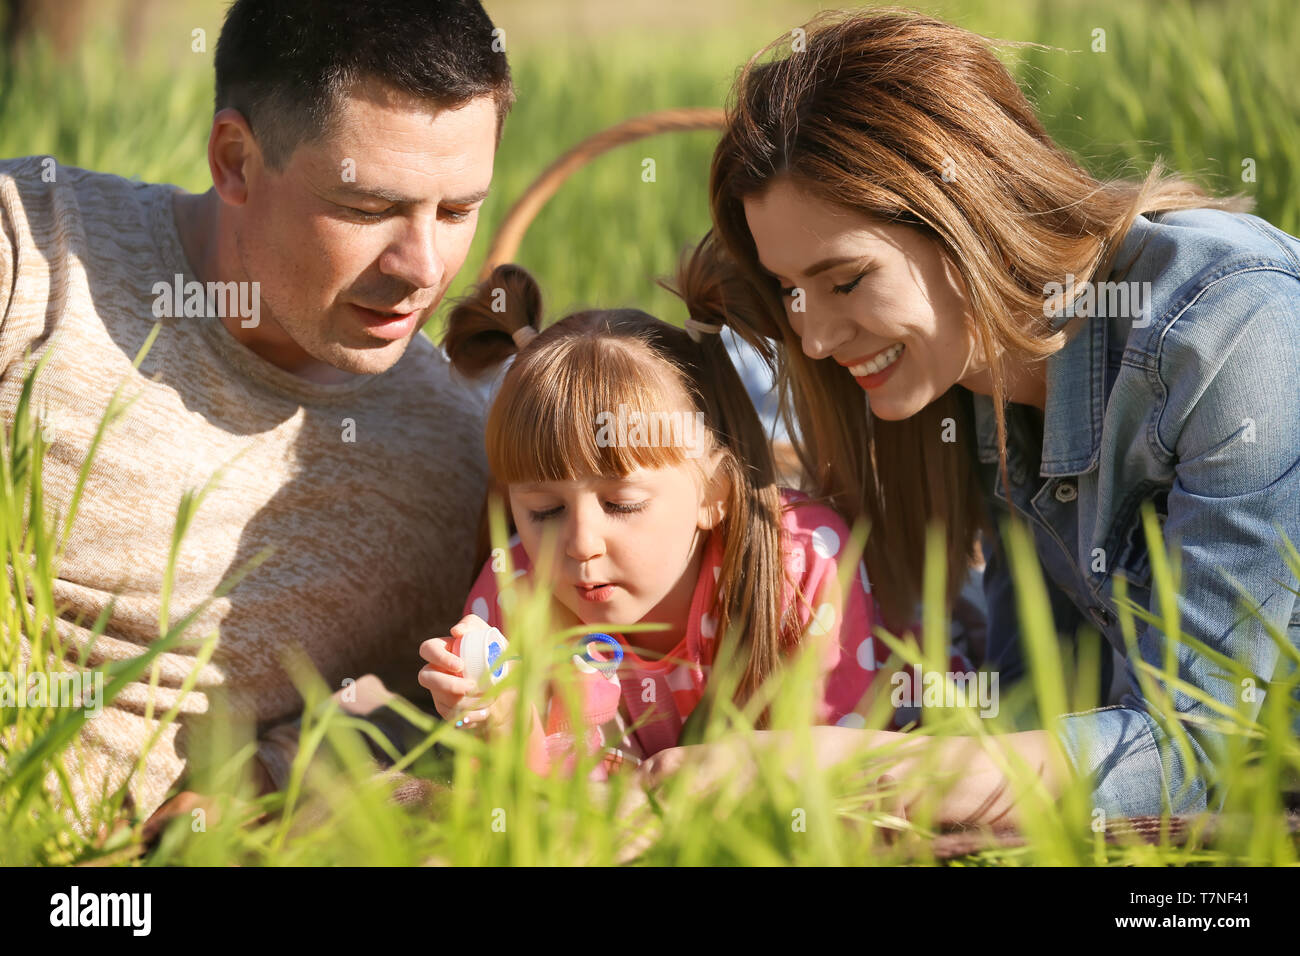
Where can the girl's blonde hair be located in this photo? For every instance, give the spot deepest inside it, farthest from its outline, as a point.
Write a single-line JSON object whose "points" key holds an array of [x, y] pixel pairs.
{"points": [[541, 426], [869, 115]]}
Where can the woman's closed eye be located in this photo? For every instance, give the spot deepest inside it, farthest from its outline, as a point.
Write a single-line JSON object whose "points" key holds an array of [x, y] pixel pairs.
{"points": [[613, 507], [850, 285], [844, 289]]}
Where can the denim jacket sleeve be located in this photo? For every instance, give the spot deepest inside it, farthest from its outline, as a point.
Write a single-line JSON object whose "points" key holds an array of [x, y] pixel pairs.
{"points": [[1227, 389]]}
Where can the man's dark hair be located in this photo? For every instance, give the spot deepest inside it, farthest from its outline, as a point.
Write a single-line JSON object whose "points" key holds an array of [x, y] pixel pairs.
{"points": [[286, 64]]}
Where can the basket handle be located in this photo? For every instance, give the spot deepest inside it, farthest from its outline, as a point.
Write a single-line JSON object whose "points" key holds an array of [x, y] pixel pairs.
{"points": [[510, 234]]}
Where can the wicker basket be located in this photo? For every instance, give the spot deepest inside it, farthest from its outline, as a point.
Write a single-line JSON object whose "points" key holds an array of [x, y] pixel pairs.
{"points": [[510, 234]]}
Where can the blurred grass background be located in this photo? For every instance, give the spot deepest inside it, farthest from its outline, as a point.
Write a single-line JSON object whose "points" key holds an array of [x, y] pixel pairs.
{"points": [[116, 86]]}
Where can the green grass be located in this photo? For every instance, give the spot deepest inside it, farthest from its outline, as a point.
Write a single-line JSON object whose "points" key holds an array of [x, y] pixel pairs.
{"points": [[489, 809], [1201, 84]]}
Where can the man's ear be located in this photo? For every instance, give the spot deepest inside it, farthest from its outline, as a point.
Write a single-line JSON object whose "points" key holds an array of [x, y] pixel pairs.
{"points": [[230, 146], [717, 490]]}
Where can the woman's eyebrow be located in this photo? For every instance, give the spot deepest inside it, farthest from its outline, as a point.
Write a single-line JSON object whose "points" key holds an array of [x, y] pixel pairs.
{"points": [[820, 266]]}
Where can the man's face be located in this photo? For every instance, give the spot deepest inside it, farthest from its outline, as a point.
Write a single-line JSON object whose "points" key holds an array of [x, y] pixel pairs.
{"points": [[357, 240]]}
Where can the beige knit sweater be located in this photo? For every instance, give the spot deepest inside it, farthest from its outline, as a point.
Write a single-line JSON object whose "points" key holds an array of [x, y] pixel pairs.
{"points": [[373, 537]]}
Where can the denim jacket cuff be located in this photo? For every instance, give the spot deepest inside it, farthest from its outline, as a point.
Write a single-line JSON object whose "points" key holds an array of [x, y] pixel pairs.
{"points": [[1119, 750]]}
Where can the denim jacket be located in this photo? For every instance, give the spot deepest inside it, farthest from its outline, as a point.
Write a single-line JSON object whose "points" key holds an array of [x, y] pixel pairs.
{"points": [[1192, 404]]}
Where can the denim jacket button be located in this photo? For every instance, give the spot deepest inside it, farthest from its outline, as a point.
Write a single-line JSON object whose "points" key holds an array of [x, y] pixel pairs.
{"points": [[1066, 492]]}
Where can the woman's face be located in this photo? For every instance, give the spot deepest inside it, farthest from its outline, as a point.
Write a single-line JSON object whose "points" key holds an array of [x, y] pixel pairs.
{"points": [[624, 549], [881, 299]]}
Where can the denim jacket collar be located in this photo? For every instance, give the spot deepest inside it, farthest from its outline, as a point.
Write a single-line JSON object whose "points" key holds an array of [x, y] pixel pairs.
{"points": [[1076, 391]]}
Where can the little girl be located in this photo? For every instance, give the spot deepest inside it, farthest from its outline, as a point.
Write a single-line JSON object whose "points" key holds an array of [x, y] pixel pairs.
{"points": [[633, 446]]}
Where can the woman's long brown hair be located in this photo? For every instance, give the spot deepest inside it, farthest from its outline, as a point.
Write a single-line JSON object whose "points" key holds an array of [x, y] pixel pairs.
{"points": [[867, 110]]}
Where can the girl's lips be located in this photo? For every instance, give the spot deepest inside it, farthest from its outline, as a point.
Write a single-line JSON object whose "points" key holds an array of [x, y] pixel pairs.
{"points": [[598, 594]]}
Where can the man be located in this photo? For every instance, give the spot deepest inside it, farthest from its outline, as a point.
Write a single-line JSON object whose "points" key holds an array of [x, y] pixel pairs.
{"points": [[350, 151]]}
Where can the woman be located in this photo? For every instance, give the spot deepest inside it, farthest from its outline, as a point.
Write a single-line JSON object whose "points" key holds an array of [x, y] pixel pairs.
{"points": [[1026, 337]]}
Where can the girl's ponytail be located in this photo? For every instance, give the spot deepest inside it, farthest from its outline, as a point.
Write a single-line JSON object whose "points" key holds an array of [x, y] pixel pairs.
{"points": [[494, 321], [752, 578]]}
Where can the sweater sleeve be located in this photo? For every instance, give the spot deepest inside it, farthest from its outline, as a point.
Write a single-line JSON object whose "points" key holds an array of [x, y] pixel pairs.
{"points": [[276, 749], [13, 228], [7, 258]]}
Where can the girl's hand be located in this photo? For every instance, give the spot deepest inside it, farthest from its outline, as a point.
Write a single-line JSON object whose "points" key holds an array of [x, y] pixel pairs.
{"points": [[453, 693]]}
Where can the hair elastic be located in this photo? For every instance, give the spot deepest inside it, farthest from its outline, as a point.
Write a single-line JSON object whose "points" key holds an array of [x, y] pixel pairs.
{"points": [[523, 335], [697, 329]]}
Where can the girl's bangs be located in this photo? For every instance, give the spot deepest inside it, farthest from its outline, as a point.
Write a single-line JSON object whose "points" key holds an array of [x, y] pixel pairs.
{"points": [[587, 407]]}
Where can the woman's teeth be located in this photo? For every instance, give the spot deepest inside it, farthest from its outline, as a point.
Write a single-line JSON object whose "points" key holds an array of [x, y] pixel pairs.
{"points": [[879, 363]]}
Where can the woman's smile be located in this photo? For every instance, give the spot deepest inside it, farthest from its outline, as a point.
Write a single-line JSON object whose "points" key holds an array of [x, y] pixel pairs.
{"points": [[873, 371]]}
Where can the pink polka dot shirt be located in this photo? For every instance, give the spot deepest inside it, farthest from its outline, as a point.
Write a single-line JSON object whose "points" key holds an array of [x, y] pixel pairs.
{"points": [[659, 695]]}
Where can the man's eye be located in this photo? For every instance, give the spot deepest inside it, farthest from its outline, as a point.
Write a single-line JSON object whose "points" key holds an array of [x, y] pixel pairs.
{"points": [[458, 215], [366, 215]]}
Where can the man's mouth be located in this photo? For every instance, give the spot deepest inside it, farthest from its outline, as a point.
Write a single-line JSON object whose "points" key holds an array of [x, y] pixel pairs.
{"points": [[392, 313], [387, 323]]}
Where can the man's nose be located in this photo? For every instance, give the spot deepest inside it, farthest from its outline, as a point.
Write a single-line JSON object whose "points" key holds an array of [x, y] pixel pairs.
{"points": [[414, 256]]}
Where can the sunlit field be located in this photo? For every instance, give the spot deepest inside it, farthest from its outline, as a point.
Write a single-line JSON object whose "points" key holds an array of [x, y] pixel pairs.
{"points": [[1209, 87]]}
